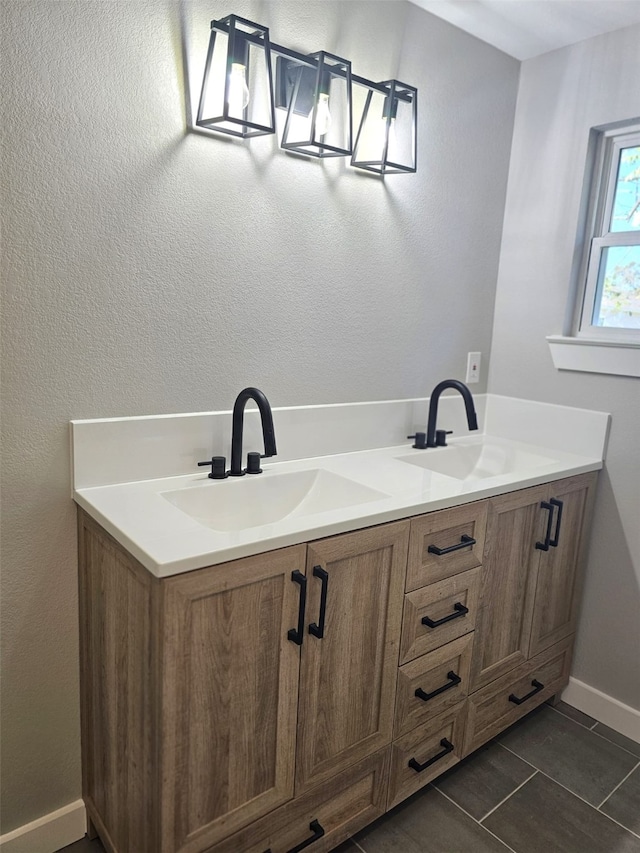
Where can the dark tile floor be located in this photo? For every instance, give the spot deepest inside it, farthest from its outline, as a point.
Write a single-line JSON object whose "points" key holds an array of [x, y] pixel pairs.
{"points": [[556, 782]]}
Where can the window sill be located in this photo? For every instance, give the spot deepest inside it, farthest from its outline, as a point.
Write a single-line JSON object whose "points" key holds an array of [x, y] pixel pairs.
{"points": [[595, 356]]}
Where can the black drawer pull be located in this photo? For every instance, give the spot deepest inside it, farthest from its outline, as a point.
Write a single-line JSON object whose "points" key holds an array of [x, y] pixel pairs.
{"points": [[465, 542], [537, 687], [544, 546], [460, 610], [556, 536], [296, 635], [318, 832], [453, 680], [317, 629], [448, 747]]}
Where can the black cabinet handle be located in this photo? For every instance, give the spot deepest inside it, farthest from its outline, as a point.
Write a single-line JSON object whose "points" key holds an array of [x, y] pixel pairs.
{"points": [[448, 747], [460, 610], [537, 687], [317, 628], [465, 542], [453, 680], [318, 832], [544, 546], [556, 536], [296, 635]]}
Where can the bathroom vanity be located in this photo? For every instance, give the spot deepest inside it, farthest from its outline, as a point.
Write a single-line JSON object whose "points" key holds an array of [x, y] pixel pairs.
{"points": [[283, 700]]}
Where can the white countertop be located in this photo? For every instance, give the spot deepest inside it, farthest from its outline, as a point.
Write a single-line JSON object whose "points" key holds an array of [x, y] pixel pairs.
{"points": [[168, 541]]}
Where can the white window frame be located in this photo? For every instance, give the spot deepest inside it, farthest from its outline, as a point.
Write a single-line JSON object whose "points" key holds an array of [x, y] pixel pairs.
{"points": [[599, 238], [586, 347]]}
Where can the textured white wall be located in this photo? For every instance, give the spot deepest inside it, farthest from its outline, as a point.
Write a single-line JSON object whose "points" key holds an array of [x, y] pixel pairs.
{"points": [[561, 96], [150, 270]]}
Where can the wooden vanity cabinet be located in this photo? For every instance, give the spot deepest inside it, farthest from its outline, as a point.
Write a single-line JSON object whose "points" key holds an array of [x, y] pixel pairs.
{"points": [[284, 701]]}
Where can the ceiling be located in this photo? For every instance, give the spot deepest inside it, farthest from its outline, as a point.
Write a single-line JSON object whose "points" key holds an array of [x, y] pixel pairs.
{"points": [[527, 28]]}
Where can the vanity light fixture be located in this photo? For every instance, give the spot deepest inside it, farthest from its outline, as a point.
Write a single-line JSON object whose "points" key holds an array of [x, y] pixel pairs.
{"points": [[238, 98], [237, 89], [387, 137], [319, 113]]}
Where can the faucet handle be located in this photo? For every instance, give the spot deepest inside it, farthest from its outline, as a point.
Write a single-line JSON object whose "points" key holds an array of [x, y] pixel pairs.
{"points": [[420, 440], [441, 437], [253, 463], [218, 467]]}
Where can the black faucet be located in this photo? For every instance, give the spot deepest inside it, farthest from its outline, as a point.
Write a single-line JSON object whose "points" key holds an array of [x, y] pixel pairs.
{"points": [[438, 438], [268, 434]]}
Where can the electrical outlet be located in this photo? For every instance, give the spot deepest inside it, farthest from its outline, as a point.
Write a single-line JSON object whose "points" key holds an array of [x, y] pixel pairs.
{"points": [[473, 367]]}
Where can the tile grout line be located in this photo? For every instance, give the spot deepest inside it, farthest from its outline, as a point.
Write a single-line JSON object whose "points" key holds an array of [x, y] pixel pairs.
{"points": [[567, 717], [486, 829], [592, 729], [504, 799], [519, 756], [353, 841], [633, 769], [602, 737], [604, 814]]}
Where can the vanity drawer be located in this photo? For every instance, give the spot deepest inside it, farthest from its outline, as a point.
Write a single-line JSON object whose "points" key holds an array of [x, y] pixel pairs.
{"points": [[440, 679], [448, 608], [437, 543], [493, 708], [331, 812], [424, 753]]}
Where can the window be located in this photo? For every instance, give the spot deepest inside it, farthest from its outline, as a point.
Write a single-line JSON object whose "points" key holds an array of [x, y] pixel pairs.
{"points": [[605, 334], [611, 266]]}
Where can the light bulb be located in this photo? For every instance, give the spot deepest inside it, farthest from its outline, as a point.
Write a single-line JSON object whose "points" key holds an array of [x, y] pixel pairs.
{"points": [[238, 89], [323, 116]]}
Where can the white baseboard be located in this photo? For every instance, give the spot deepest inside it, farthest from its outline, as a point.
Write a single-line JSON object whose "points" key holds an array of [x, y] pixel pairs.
{"points": [[48, 833], [607, 710]]}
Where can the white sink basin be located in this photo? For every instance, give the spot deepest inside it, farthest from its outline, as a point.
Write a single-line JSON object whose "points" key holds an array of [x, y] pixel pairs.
{"points": [[251, 501], [477, 461]]}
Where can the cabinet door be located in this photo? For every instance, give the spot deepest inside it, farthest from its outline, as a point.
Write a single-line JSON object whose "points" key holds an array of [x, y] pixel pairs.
{"points": [[230, 689], [557, 599], [503, 624], [350, 655]]}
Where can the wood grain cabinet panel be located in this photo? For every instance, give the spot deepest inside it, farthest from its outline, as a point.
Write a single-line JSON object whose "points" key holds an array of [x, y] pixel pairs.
{"points": [[230, 695], [442, 531], [348, 676], [189, 695], [493, 709], [432, 683], [331, 813], [530, 586], [118, 601], [503, 626], [451, 604], [426, 752], [558, 579]]}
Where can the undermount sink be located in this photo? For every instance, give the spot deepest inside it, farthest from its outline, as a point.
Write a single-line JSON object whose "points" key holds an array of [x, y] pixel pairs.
{"points": [[251, 501], [476, 461]]}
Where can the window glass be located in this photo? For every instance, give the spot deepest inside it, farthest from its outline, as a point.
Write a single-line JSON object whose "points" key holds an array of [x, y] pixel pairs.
{"points": [[617, 303], [625, 215]]}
